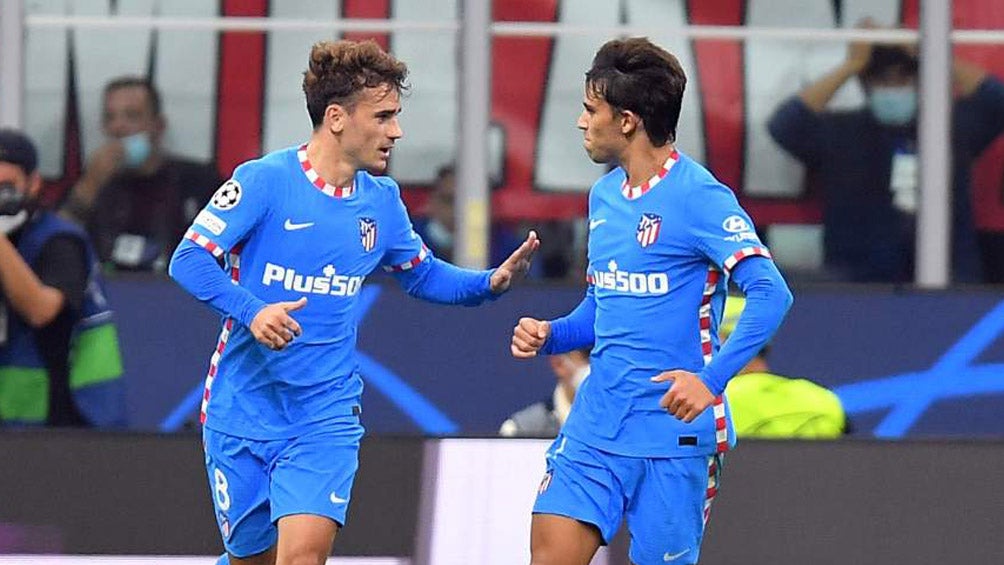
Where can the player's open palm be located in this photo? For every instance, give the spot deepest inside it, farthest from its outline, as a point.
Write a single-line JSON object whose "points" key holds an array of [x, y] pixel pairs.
{"points": [[528, 337], [516, 266], [273, 327], [687, 397]]}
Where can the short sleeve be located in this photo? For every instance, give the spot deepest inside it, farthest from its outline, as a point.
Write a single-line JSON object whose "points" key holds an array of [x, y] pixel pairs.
{"points": [[234, 210], [720, 229], [405, 249], [62, 264]]}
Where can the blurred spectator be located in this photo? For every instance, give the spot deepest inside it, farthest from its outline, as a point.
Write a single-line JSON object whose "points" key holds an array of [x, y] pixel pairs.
{"points": [[135, 199], [545, 418], [865, 160], [438, 227], [59, 356], [992, 248], [766, 405]]}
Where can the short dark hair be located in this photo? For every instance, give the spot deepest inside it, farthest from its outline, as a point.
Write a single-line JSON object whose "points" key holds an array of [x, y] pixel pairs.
{"points": [[134, 81], [17, 148], [447, 170], [885, 57], [639, 76], [338, 70]]}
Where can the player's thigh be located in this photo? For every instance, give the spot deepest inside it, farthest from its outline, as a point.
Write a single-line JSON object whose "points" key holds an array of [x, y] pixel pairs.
{"points": [[239, 486], [305, 539], [314, 473], [581, 485], [668, 512], [560, 540], [266, 558]]}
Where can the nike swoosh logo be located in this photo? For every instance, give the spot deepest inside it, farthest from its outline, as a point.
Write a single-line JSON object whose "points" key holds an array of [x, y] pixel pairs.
{"points": [[335, 499], [673, 557], [290, 226], [594, 223]]}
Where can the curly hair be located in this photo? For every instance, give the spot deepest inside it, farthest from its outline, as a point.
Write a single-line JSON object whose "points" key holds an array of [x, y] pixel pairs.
{"points": [[637, 75], [339, 70]]}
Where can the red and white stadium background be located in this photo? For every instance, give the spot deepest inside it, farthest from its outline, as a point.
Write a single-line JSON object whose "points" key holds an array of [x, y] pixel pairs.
{"points": [[231, 96]]}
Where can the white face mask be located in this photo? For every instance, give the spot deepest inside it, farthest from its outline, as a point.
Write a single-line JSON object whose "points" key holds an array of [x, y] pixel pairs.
{"points": [[13, 208], [137, 149], [893, 105], [8, 224]]}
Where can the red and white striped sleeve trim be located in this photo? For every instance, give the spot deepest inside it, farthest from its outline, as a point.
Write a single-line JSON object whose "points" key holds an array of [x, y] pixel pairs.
{"points": [[204, 242], [756, 251], [408, 265]]}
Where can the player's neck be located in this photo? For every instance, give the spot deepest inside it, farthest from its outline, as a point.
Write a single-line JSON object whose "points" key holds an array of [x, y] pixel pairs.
{"points": [[756, 365], [642, 162], [330, 162]]}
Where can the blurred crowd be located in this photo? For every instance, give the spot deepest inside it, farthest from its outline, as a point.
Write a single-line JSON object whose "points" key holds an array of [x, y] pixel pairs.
{"points": [[134, 200]]}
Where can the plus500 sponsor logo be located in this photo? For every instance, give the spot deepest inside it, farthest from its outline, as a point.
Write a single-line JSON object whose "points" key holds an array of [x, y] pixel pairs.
{"points": [[327, 283], [633, 283]]}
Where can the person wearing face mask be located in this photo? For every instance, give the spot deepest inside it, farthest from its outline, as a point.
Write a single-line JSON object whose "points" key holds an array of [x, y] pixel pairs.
{"points": [[865, 160], [438, 228], [135, 199], [59, 357], [545, 418]]}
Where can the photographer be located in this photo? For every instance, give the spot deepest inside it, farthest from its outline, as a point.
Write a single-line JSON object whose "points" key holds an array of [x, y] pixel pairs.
{"points": [[59, 357]]}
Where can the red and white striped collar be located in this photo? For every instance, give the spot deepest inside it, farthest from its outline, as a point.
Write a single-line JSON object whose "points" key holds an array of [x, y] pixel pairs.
{"points": [[633, 192], [316, 180]]}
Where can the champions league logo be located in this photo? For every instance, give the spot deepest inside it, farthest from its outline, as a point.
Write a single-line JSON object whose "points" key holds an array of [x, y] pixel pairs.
{"points": [[368, 233], [227, 196]]}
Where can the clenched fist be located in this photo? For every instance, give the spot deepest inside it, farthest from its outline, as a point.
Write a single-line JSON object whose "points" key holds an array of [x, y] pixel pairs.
{"points": [[528, 337]]}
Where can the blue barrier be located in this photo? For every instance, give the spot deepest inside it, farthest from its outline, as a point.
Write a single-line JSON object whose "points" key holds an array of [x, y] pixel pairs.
{"points": [[904, 363]]}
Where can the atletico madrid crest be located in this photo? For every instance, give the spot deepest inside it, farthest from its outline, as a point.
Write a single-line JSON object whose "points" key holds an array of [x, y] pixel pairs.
{"points": [[648, 229], [368, 233]]}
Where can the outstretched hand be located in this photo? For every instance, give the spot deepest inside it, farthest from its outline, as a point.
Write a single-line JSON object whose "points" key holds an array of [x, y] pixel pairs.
{"points": [[516, 266], [687, 397], [273, 327]]}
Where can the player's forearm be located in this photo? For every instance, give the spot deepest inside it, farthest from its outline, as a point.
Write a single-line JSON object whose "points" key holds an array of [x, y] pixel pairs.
{"points": [[575, 330], [767, 301], [197, 272], [34, 301], [438, 281], [818, 94]]}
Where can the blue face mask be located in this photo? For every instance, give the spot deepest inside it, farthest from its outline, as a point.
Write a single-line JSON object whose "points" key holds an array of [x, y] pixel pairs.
{"points": [[893, 105], [137, 149]]}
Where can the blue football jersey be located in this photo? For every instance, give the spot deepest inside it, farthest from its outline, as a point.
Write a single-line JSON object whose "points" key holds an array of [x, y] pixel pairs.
{"points": [[659, 260], [283, 234]]}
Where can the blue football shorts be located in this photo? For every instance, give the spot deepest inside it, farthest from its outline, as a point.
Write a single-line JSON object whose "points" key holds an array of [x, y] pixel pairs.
{"points": [[254, 483], [666, 501]]}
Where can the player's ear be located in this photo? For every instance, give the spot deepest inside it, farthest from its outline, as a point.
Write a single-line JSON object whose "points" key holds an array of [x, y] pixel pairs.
{"points": [[630, 122], [334, 117], [34, 184]]}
